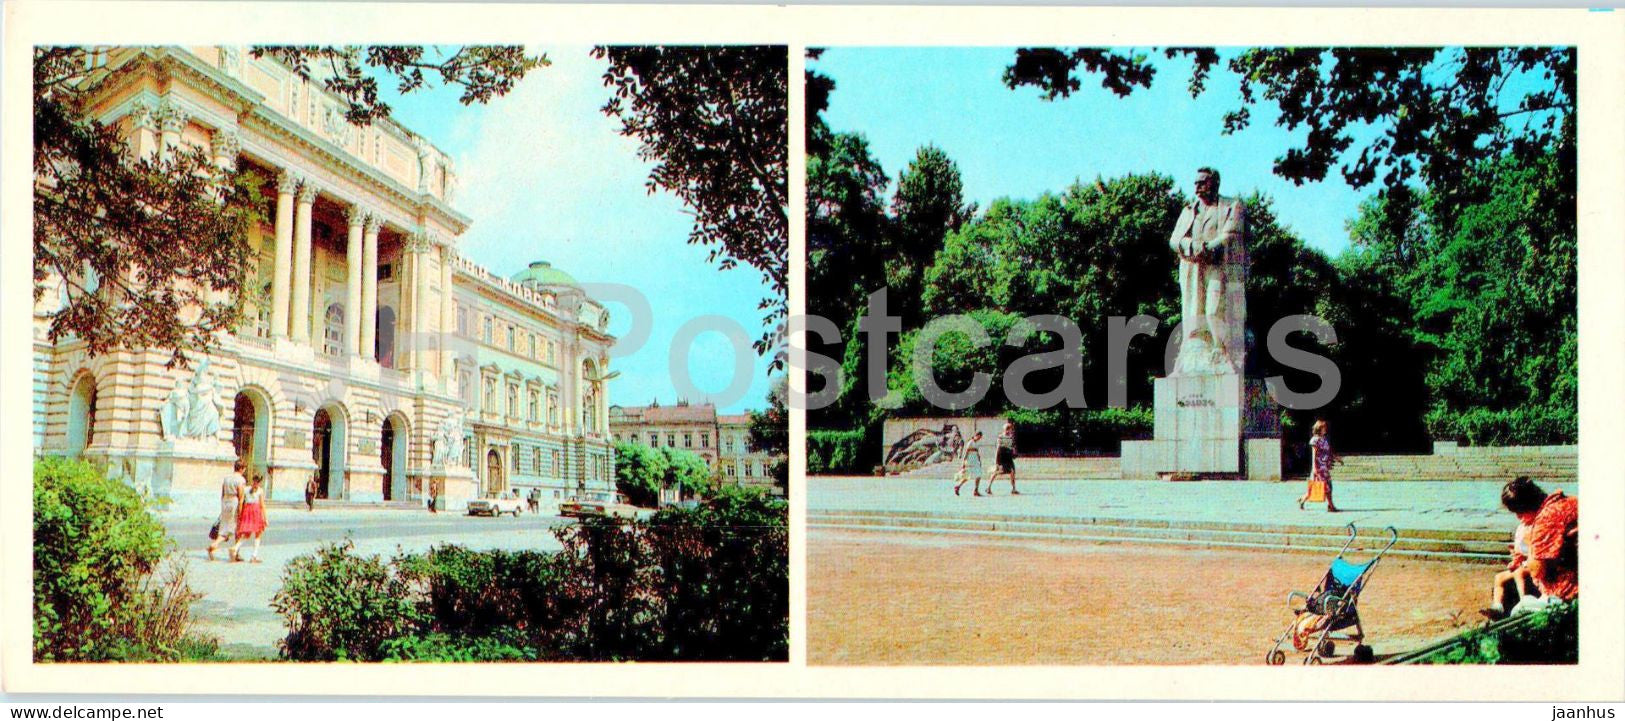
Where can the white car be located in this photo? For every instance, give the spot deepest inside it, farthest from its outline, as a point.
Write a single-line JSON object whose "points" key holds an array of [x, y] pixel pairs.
{"points": [[496, 505]]}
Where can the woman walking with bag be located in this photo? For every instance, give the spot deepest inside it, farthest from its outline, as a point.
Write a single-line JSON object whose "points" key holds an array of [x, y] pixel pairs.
{"points": [[1321, 459], [231, 500]]}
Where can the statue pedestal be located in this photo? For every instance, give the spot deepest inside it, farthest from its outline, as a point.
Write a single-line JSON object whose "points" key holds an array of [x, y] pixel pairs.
{"points": [[457, 486], [1208, 426]]}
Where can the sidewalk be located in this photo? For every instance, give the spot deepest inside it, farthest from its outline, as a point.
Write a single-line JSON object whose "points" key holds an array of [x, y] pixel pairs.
{"points": [[1406, 505]]}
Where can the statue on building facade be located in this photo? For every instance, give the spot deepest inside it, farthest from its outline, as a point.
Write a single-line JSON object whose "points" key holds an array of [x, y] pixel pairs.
{"points": [[1210, 239], [202, 415], [172, 417], [449, 446]]}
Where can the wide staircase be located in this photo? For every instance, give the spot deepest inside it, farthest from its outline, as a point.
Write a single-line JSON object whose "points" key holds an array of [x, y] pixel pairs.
{"points": [[1484, 547], [1542, 463]]}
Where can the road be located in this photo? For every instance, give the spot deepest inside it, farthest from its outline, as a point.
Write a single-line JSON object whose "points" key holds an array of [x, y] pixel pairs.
{"points": [[236, 603]]}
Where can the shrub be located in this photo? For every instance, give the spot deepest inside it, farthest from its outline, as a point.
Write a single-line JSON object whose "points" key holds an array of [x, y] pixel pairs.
{"points": [[709, 583], [1550, 636], [830, 452], [1079, 431], [1526, 426], [339, 606], [97, 592]]}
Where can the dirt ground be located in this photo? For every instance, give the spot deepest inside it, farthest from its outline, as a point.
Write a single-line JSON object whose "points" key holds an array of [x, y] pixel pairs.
{"points": [[902, 599]]}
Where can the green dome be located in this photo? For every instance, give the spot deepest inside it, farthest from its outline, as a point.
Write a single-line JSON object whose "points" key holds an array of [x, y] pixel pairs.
{"points": [[542, 273]]}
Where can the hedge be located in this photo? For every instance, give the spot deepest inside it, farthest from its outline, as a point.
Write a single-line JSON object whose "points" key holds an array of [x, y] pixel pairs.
{"points": [[842, 452], [1527, 426]]}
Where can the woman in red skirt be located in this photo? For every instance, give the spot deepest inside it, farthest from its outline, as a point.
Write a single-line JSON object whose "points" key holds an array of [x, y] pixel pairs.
{"points": [[251, 520]]}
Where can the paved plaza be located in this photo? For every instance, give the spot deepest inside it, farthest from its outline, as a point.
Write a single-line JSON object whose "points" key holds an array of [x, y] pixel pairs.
{"points": [[1406, 505], [236, 604]]}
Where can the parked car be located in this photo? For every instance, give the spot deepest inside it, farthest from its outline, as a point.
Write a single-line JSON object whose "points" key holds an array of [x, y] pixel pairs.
{"points": [[495, 504], [609, 504]]}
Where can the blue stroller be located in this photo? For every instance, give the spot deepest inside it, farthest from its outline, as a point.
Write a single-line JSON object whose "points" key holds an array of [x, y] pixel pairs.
{"points": [[1331, 609]]}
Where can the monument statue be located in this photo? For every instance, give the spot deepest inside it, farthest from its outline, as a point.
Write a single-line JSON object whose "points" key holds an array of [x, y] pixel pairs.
{"points": [[448, 447], [202, 416], [172, 417], [1210, 239]]}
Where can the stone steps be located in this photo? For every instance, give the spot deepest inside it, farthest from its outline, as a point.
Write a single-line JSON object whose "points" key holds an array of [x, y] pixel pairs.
{"points": [[1457, 546]]}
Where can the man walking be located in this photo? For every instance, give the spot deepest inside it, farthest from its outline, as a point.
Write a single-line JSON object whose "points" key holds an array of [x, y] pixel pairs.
{"points": [[1005, 461]]}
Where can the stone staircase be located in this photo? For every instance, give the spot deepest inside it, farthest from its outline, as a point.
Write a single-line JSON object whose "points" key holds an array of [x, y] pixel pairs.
{"points": [[1451, 463], [1459, 546]]}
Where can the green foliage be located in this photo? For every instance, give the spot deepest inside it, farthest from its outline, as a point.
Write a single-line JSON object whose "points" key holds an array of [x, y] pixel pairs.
{"points": [[714, 122], [1440, 109], [769, 433], [1550, 636], [339, 606], [842, 452], [97, 551], [1533, 426], [482, 71], [709, 583], [1072, 431], [640, 473]]}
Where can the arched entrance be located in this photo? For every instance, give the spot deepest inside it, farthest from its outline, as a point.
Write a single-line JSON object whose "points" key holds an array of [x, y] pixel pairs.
{"points": [[392, 452], [329, 438], [494, 483], [251, 430], [81, 415]]}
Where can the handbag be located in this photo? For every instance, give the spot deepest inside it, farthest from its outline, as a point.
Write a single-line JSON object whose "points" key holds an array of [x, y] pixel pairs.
{"points": [[214, 531]]}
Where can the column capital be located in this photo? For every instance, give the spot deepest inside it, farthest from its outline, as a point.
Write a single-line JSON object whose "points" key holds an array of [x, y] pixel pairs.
{"points": [[226, 144], [418, 242], [307, 191], [372, 222], [357, 215], [287, 182], [171, 117], [144, 115]]}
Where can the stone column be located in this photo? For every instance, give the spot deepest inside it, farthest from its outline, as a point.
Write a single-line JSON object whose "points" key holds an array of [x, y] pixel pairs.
{"points": [[226, 147], [352, 288], [417, 247], [144, 118], [286, 184], [448, 317], [171, 120], [299, 315], [369, 289]]}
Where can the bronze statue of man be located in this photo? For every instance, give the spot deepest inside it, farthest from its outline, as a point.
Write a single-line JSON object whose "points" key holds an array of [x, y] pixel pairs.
{"points": [[1210, 239]]}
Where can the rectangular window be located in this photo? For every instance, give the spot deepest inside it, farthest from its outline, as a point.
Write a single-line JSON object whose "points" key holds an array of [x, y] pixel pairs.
{"points": [[731, 472], [487, 330], [535, 410], [705, 440], [513, 400], [462, 321], [748, 474], [654, 440], [688, 440], [511, 346], [516, 453], [728, 444], [533, 346], [671, 440], [386, 271], [465, 387], [553, 409], [490, 404]]}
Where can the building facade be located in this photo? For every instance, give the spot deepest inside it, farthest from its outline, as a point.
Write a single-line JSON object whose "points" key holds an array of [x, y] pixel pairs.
{"points": [[723, 441], [347, 367]]}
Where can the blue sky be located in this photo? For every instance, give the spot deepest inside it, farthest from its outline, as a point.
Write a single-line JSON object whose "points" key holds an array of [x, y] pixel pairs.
{"points": [[1012, 143], [545, 176]]}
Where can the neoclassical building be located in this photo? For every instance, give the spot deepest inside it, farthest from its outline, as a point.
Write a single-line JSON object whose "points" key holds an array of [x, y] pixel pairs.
{"points": [[370, 346], [722, 440]]}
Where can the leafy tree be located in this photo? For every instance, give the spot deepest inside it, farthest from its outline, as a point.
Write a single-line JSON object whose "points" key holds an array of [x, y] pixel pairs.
{"points": [[152, 251], [1438, 109], [713, 120], [640, 473], [687, 472], [928, 205], [770, 433]]}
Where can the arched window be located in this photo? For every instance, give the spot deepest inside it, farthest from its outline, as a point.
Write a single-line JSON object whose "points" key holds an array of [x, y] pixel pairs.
{"points": [[81, 415], [333, 333]]}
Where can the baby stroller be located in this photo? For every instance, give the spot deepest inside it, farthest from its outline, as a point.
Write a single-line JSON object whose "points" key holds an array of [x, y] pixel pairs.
{"points": [[1331, 609]]}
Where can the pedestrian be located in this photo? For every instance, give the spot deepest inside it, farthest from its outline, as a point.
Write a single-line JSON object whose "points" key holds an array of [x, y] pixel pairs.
{"points": [[434, 497], [231, 500], [1005, 458], [535, 500], [1321, 459], [310, 495], [970, 466], [251, 519]]}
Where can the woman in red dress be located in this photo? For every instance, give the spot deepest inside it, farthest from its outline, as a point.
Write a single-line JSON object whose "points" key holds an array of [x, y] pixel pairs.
{"points": [[1320, 478], [251, 519]]}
